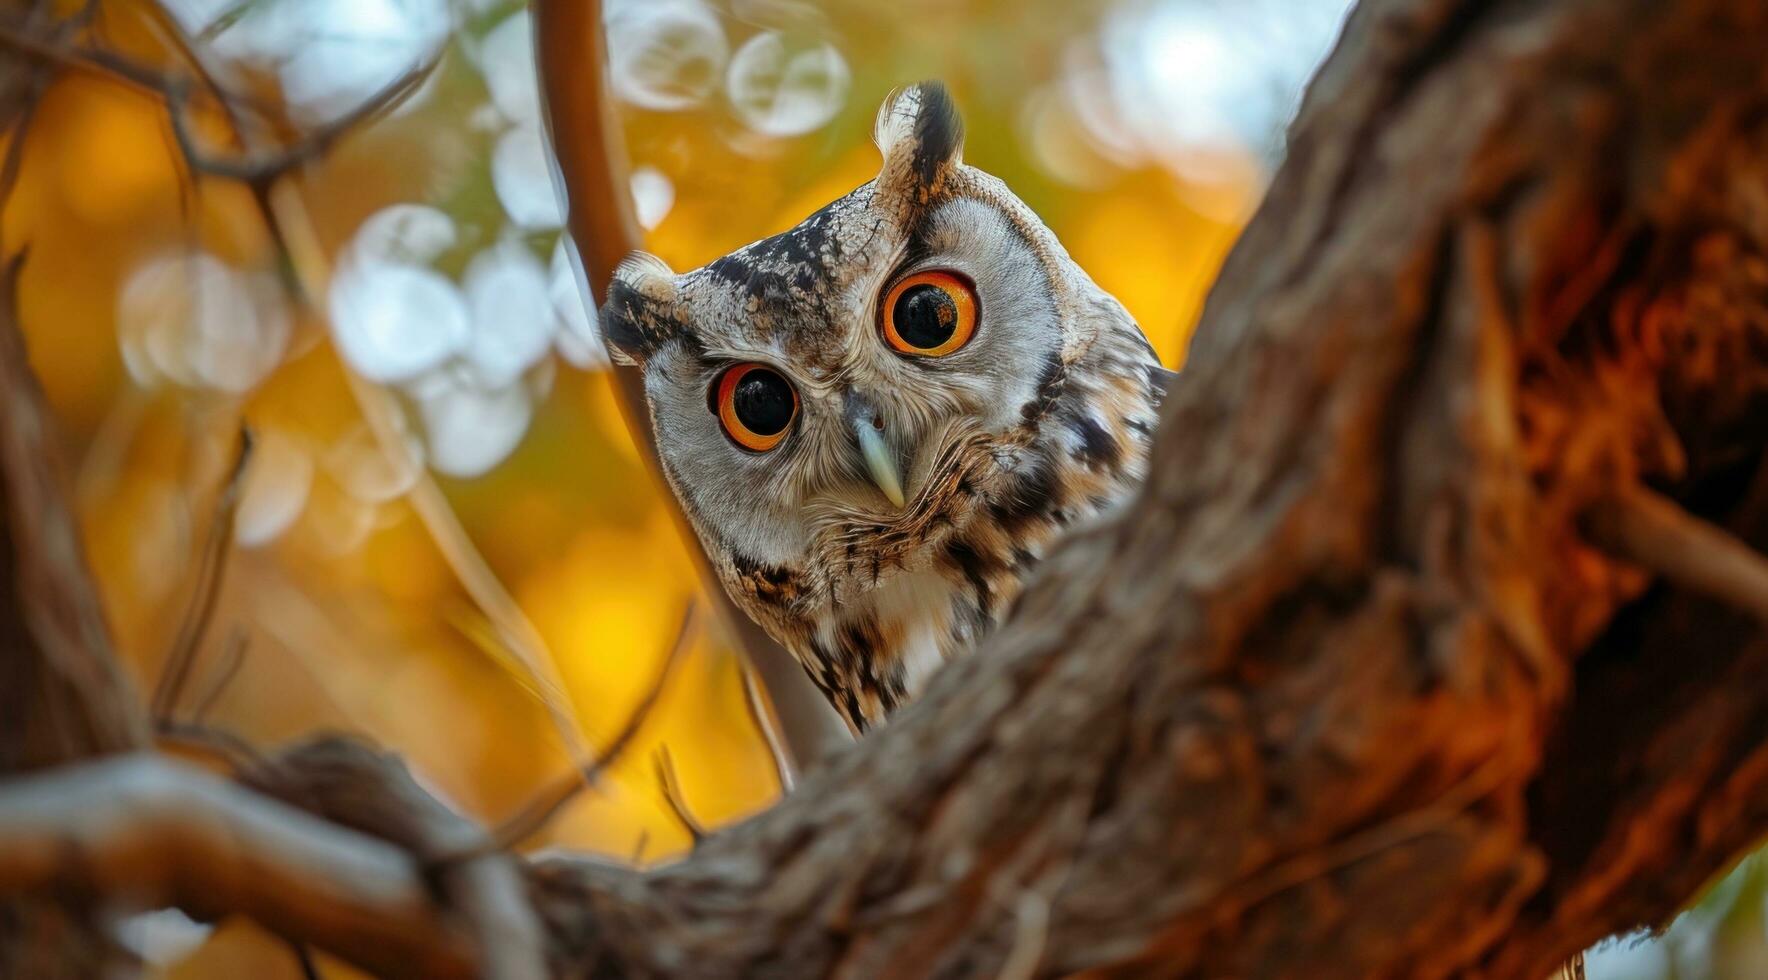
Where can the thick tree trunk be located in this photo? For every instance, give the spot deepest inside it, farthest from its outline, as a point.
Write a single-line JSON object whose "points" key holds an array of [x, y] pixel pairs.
{"points": [[1412, 659], [1346, 693]]}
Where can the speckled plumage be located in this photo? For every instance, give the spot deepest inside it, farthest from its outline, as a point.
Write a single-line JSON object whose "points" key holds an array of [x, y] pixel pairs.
{"points": [[1042, 420]]}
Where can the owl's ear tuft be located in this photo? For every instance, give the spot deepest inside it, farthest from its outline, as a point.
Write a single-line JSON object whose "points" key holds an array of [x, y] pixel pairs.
{"points": [[639, 315], [922, 138]]}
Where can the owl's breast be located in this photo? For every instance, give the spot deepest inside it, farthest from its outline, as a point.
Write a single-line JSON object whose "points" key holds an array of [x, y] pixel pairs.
{"points": [[875, 645]]}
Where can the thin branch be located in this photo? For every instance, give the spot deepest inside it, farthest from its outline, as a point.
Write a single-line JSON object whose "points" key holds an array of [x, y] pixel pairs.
{"points": [[18, 130], [171, 835], [229, 749], [761, 716], [357, 786], [263, 169], [211, 572], [233, 657], [177, 92], [672, 795], [166, 24], [62, 694], [589, 147], [304, 961], [1653, 532], [540, 811]]}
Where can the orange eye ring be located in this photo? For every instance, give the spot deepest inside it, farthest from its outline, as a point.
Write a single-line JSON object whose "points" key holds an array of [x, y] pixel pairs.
{"points": [[930, 314], [756, 405]]}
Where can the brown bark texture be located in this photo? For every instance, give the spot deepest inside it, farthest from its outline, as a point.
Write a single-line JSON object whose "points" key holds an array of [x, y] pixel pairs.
{"points": [[1433, 646], [1350, 691]]}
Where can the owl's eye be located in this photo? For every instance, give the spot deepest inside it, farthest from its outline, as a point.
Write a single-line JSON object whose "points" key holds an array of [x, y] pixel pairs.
{"points": [[755, 405], [930, 314]]}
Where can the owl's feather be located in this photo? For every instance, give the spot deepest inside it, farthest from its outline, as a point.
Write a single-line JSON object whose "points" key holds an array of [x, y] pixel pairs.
{"points": [[1042, 421]]}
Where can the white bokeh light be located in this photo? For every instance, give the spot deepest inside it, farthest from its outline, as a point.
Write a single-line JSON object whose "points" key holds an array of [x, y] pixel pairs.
{"points": [[779, 90], [471, 429], [193, 319], [506, 57], [162, 938], [579, 340], [330, 55], [1208, 74], [513, 320], [370, 473], [666, 55], [411, 234], [653, 195], [521, 173], [392, 322], [278, 480]]}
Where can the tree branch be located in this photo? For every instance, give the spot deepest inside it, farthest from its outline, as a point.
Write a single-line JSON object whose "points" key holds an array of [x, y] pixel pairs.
{"points": [[61, 694], [1345, 692], [590, 148], [166, 835]]}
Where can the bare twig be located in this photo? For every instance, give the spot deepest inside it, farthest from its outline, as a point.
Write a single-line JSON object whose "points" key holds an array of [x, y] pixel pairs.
{"points": [[164, 23], [761, 716], [311, 146], [217, 743], [1650, 530], [62, 695], [178, 91], [211, 572], [172, 835], [540, 811], [17, 132], [233, 657], [304, 961], [359, 787], [672, 795]]}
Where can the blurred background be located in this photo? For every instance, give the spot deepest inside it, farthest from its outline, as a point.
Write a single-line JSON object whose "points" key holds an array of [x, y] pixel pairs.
{"points": [[439, 462]]}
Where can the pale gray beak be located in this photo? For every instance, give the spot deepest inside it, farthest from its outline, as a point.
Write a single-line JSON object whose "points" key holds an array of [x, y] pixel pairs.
{"points": [[880, 461]]}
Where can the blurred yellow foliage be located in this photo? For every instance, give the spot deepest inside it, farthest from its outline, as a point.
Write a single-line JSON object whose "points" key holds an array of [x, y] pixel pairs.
{"points": [[350, 614]]}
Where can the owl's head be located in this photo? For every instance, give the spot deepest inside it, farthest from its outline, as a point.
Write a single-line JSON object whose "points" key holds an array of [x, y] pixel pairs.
{"points": [[858, 368]]}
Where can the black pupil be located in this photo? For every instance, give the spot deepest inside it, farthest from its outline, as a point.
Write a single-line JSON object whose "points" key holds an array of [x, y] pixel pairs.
{"points": [[763, 402], [925, 316]]}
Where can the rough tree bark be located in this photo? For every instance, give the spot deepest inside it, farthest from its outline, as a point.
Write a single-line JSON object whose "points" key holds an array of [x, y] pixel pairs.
{"points": [[1346, 692], [1430, 648]]}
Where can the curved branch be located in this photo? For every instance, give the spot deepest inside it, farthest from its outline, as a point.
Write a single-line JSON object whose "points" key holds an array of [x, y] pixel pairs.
{"points": [[1344, 692], [168, 835], [591, 153]]}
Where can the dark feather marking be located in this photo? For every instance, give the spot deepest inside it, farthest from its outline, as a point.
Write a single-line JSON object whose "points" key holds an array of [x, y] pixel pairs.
{"points": [[975, 568], [1098, 450], [635, 324], [850, 706], [763, 286], [1160, 381], [939, 132], [1049, 388], [771, 584], [1031, 496]]}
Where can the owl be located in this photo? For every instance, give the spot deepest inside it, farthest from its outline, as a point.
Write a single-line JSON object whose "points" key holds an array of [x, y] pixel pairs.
{"points": [[878, 421]]}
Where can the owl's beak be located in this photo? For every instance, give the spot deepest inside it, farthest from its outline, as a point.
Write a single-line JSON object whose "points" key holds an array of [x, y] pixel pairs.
{"points": [[875, 450]]}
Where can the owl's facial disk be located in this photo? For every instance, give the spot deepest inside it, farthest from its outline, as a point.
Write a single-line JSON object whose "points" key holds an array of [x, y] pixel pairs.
{"points": [[832, 369]]}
